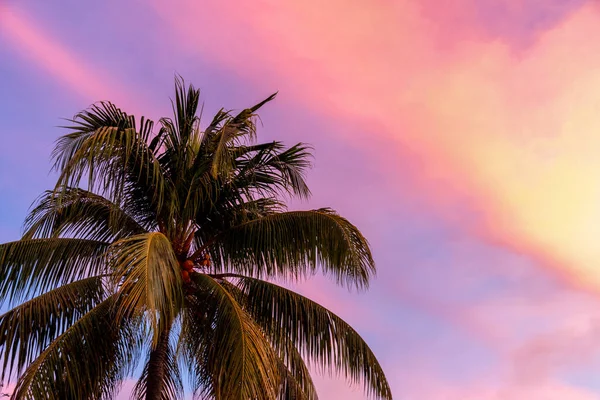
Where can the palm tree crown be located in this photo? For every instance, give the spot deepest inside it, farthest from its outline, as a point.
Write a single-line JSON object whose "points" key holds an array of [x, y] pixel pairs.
{"points": [[163, 244]]}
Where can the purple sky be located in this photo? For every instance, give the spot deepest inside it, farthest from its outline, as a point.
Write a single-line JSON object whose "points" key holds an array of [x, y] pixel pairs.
{"points": [[422, 120]]}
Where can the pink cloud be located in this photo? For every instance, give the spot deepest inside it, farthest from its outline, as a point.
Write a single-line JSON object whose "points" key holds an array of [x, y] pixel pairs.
{"points": [[482, 124], [544, 391], [40, 47], [509, 134], [571, 343], [381, 65], [7, 389]]}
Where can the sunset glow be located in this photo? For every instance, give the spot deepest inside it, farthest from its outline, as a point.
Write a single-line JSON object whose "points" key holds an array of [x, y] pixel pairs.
{"points": [[464, 143]]}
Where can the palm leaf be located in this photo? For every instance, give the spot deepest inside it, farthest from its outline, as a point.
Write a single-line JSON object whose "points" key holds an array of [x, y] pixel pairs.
{"points": [[297, 383], [231, 131], [85, 124], [241, 362], [296, 243], [274, 170], [148, 278], [296, 380], [105, 144], [87, 361], [184, 109], [29, 267], [320, 335], [81, 214], [27, 329]]}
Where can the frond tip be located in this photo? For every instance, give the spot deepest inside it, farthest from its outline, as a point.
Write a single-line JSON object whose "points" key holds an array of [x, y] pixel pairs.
{"points": [[296, 243]]}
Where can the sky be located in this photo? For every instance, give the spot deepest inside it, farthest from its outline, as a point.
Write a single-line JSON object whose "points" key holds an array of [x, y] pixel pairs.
{"points": [[462, 140]]}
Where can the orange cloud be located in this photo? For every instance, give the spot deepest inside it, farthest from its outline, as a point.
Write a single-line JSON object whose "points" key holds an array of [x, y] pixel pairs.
{"points": [[523, 133]]}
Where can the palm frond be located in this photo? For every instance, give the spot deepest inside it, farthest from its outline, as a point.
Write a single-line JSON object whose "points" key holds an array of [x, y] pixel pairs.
{"points": [[85, 124], [232, 130], [148, 277], [320, 335], [296, 380], [297, 383], [79, 213], [27, 329], [241, 362], [184, 109], [297, 243], [105, 145], [87, 361], [181, 133], [99, 137], [292, 389], [226, 215], [29, 267], [274, 170]]}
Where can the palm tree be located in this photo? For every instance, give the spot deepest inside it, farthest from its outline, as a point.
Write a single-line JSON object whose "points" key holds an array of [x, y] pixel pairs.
{"points": [[165, 245]]}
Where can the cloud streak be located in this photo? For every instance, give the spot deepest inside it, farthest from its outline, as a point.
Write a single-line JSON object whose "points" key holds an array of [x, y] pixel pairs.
{"points": [[40, 48], [485, 122], [484, 116]]}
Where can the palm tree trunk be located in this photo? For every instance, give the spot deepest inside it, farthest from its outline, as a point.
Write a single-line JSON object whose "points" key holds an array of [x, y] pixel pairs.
{"points": [[157, 366]]}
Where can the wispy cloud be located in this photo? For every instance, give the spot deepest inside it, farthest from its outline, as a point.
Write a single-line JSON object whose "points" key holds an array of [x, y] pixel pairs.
{"points": [[482, 122], [481, 116], [38, 46]]}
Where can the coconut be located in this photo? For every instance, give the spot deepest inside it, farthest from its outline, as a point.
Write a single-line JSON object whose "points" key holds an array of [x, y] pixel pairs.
{"points": [[185, 275], [188, 265]]}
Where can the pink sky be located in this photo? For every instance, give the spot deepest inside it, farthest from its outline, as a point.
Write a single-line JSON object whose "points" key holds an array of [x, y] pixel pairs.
{"points": [[470, 136]]}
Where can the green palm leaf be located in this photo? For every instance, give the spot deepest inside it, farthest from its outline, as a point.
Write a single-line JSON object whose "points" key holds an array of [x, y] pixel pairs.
{"points": [[230, 132], [79, 213], [148, 279], [319, 334], [270, 169], [87, 361], [240, 360], [297, 243], [26, 330], [105, 144], [33, 266], [297, 383]]}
